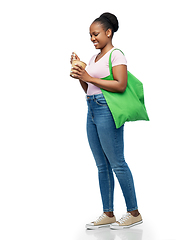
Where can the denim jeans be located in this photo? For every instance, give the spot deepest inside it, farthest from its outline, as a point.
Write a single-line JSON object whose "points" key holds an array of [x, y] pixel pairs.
{"points": [[106, 143]]}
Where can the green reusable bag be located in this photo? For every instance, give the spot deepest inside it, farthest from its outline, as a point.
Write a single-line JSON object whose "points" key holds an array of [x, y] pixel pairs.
{"points": [[129, 105]]}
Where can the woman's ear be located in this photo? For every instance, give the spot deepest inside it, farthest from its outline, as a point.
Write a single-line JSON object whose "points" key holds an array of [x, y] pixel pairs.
{"points": [[109, 32]]}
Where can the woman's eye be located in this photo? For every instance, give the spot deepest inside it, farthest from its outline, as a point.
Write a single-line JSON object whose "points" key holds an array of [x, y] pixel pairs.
{"points": [[94, 34]]}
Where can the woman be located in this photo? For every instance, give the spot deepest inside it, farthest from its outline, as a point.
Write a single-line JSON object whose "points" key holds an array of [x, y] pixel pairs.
{"points": [[105, 140]]}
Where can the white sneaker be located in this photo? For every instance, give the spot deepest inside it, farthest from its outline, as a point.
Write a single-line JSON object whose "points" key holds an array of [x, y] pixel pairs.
{"points": [[102, 221], [127, 221]]}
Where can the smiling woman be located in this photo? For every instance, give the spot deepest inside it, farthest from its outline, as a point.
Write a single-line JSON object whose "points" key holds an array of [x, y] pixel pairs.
{"points": [[101, 32], [105, 140]]}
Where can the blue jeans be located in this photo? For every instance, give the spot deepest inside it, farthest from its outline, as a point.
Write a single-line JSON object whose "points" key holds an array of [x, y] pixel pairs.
{"points": [[106, 143]]}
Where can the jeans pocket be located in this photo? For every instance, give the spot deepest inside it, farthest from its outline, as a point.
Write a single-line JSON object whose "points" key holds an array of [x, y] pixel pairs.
{"points": [[101, 101]]}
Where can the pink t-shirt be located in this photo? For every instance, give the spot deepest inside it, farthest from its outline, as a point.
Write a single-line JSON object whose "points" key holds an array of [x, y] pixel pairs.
{"points": [[100, 69]]}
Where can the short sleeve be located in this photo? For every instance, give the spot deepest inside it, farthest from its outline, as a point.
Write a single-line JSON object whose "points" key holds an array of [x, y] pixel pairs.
{"points": [[118, 58]]}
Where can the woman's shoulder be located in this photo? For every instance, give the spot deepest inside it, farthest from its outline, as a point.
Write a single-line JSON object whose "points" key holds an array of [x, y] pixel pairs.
{"points": [[118, 57], [117, 52]]}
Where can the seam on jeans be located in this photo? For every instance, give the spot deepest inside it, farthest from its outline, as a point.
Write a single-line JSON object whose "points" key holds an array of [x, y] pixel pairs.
{"points": [[109, 181], [132, 209], [108, 210], [91, 112]]}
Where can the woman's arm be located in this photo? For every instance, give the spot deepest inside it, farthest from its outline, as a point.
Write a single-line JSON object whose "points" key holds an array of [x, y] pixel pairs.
{"points": [[119, 83], [84, 85]]}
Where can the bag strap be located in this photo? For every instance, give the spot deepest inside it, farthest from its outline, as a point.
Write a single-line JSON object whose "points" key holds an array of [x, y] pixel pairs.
{"points": [[110, 63]]}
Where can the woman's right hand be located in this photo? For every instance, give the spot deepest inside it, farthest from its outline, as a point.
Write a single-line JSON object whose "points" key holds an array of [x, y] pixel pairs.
{"points": [[74, 57]]}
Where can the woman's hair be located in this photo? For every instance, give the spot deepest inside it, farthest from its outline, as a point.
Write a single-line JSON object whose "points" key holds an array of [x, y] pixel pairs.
{"points": [[109, 21]]}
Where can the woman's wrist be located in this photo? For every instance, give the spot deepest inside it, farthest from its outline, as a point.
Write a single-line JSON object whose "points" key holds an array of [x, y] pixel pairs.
{"points": [[91, 80]]}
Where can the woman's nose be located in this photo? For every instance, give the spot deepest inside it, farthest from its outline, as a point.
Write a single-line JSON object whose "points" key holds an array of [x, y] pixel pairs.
{"points": [[92, 38]]}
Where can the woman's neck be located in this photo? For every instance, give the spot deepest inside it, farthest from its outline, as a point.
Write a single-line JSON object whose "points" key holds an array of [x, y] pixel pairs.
{"points": [[106, 49]]}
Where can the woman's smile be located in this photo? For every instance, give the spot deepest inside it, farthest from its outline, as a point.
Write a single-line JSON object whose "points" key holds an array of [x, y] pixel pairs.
{"points": [[95, 43]]}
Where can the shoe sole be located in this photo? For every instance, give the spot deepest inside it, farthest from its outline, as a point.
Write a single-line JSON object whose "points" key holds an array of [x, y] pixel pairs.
{"points": [[97, 226], [122, 227]]}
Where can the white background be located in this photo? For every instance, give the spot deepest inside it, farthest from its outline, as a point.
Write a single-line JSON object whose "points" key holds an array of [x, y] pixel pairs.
{"points": [[48, 178]]}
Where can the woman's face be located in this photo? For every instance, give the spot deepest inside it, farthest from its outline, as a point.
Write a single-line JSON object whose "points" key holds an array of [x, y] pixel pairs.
{"points": [[99, 36]]}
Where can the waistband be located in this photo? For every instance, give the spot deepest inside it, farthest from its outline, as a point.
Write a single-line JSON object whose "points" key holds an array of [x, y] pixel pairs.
{"points": [[96, 96]]}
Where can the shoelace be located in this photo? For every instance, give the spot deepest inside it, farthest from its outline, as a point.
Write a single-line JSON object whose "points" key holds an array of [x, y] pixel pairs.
{"points": [[100, 218], [124, 218]]}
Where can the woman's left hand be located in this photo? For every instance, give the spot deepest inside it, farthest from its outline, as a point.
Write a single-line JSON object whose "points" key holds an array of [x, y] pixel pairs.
{"points": [[80, 73]]}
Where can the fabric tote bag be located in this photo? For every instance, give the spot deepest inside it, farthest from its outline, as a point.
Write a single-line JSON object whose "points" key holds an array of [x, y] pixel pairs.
{"points": [[129, 105]]}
